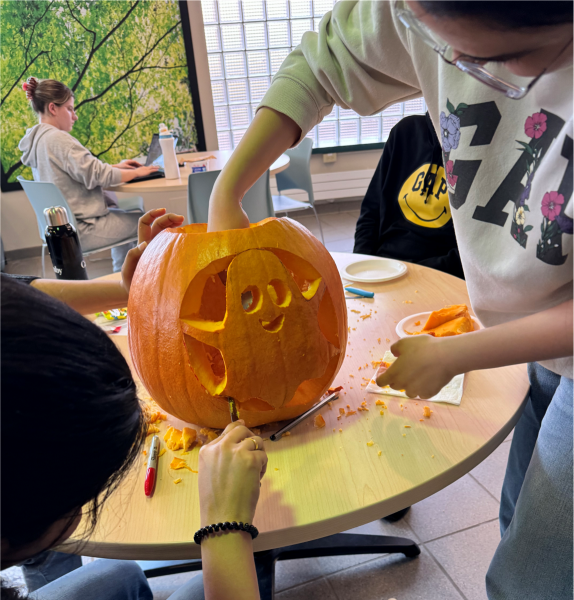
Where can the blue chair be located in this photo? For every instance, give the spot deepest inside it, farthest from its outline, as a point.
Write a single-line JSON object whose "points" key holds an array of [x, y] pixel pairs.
{"points": [[297, 176], [257, 202], [43, 194]]}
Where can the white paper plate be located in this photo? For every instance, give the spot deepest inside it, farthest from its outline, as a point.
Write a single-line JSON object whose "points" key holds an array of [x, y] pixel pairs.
{"points": [[408, 324], [374, 270]]}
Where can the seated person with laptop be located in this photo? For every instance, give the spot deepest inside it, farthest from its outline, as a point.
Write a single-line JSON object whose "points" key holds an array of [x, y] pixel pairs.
{"points": [[57, 157], [405, 214]]}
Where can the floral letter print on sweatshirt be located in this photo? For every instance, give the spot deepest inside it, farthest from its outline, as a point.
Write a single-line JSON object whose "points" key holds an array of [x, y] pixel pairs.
{"points": [[540, 129]]}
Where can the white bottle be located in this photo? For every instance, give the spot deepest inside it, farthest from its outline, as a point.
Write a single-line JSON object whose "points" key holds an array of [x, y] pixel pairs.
{"points": [[170, 166]]}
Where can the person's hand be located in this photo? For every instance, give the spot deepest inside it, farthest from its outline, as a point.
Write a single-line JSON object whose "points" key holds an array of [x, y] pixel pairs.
{"points": [[225, 212], [230, 471], [423, 366], [149, 225], [128, 164], [143, 171]]}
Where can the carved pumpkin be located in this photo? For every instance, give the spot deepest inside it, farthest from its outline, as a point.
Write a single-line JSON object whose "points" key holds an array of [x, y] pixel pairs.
{"points": [[254, 314]]}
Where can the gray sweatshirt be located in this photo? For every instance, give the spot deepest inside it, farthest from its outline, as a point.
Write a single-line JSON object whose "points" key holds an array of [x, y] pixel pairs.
{"points": [[59, 158]]}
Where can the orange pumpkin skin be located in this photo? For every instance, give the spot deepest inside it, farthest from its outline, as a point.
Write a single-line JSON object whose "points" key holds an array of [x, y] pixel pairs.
{"points": [[256, 314]]}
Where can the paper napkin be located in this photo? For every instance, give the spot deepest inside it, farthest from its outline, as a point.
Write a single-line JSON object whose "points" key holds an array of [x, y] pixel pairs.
{"points": [[450, 393]]}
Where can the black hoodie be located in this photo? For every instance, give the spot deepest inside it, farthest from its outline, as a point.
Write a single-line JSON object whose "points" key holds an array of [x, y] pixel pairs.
{"points": [[405, 213]]}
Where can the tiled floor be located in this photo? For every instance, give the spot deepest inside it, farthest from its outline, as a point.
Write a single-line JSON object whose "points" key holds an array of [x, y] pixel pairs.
{"points": [[457, 528]]}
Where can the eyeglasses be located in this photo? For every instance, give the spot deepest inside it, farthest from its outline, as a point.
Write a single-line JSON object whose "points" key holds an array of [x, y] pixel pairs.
{"points": [[467, 64]]}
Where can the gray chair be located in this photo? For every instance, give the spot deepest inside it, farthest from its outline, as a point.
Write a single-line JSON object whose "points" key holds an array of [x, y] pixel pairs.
{"points": [[256, 203], [297, 176], [43, 194]]}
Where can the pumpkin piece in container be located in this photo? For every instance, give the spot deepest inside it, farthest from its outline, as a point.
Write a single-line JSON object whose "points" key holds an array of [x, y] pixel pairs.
{"points": [[319, 422], [188, 436], [455, 327], [438, 317]]}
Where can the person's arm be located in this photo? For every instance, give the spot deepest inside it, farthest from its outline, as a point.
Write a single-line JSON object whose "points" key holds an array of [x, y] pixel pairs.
{"points": [[230, 470], [425, 364], [84, 167], [129, 174], [268, 136], [92, 296], [86, 297], [128, 164], [357, 60]]}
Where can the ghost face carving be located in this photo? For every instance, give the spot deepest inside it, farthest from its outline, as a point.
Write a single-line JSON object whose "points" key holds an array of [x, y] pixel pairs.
{"points": [[269, 317], [258, 315]]}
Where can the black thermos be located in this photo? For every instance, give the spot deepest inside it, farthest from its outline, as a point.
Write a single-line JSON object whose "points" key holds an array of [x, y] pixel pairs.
{"points": [[64, 245]]}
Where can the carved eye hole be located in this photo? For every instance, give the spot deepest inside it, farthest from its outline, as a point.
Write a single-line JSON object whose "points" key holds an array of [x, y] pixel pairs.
{"points": [[251, 299], [279, 293]]}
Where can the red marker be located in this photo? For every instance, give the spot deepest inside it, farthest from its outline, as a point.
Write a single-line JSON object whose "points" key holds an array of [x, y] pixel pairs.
{"points": [[151, 473]]}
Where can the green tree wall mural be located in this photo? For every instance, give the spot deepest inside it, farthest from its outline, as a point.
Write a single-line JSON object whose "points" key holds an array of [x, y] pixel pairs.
{"points": [[125, 61]]}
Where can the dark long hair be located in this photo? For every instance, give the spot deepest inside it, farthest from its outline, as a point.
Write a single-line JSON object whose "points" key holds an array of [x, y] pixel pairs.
{"points": [[503, 14], [72, 424]]}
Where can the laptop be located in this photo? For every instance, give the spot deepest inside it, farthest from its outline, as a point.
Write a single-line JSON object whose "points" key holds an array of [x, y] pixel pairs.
{"points": [[154, 157]]}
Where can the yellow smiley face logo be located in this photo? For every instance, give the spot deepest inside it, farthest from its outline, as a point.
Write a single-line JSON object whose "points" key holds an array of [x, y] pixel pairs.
{"points": [[424, 197]]}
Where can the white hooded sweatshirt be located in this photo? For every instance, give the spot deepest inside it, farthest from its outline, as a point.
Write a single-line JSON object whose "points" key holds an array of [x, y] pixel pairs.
{"points": [[57, 157], [509, 163]]}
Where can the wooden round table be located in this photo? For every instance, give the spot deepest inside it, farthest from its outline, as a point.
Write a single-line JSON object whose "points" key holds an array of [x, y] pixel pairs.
{"points": [[322, 481], [180, 184]]}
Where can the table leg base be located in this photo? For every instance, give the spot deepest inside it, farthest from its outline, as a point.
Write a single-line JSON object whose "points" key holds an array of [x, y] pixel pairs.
{"points": [[340, 544]]}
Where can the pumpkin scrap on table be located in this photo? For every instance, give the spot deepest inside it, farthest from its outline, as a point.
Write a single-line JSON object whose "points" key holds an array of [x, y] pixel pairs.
{"points": [[209, 434], [188, 437], [319, 421], [256, 314], [172, 439], [178, 463]]}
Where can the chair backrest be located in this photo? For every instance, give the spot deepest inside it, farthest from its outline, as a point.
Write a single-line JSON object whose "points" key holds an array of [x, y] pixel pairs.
{"points": [[257, 202], [199, 188], [298, 174], [43, 194]]}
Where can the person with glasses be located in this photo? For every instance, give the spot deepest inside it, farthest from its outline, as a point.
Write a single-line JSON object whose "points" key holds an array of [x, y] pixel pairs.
{"points": [[497, 79]]}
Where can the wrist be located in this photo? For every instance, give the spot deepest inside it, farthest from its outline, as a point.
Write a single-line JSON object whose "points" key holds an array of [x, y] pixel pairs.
{"points": [[223, 516], [452, 354], [123, 292]]}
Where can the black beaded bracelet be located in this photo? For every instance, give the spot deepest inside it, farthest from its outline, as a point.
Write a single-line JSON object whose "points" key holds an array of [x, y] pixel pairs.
{"points": [[227, 526]]}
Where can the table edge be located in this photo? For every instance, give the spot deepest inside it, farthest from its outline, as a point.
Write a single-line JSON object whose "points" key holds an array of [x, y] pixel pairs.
{"points": [[308, 532]]}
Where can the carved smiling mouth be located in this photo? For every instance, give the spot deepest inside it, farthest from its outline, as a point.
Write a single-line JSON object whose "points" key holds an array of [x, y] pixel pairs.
{"points": [[273, 326], [417, 216]]}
